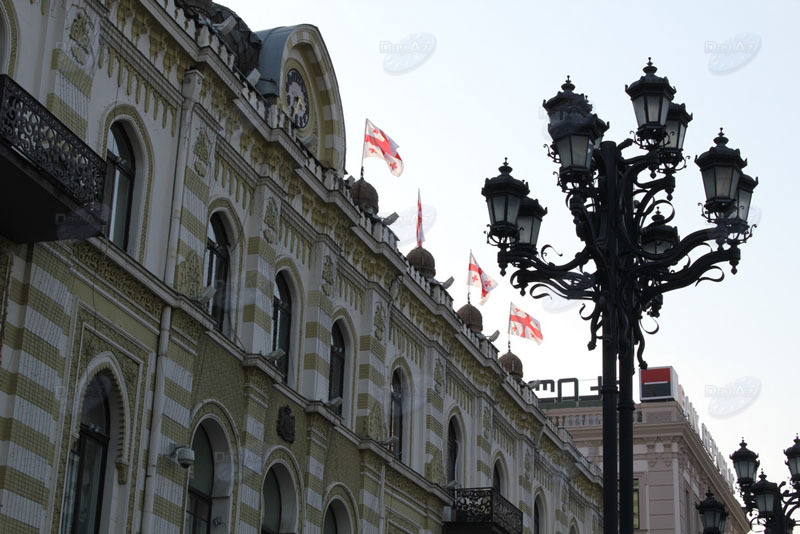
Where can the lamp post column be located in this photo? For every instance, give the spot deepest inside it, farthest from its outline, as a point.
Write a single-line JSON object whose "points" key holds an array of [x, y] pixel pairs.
{"points": [[610, 346]]}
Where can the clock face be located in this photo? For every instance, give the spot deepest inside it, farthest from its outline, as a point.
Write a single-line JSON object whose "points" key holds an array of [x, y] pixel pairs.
{"points": [[297, 98]]}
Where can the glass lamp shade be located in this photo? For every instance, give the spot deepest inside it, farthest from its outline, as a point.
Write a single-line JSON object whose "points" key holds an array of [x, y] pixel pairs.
{"points": [[744, 195], [658, 238], [529, 221], [504, 194], [677, 122], [745, 462], [793, 459], [712, 513], [721, 168], [651, 96], [575, 151], [766, 494]]}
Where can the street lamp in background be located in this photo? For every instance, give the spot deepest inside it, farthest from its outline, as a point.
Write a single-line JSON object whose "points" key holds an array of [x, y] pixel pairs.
{"points": [[632, 254], [765, 501], [712, 514]]}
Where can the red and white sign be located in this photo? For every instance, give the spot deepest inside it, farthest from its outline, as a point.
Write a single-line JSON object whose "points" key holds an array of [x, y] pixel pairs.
{"points": [[379, 145], [477, 277], [524, 325], [658, 383]]}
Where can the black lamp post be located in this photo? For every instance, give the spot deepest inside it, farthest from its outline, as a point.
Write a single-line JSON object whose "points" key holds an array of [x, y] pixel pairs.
{"points": [[712, 514], [766, 503], [631, 255]]}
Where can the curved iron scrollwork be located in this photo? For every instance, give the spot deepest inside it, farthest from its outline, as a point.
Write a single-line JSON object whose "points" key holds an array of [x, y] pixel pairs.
{"points": [[38, 135], [487, 505]]}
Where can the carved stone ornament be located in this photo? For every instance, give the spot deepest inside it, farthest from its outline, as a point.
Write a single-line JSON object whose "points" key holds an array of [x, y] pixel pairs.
{"points": [[189, 275], [487, 423], [434, 471], [271, 221], [286, 423], [328, 275], [202, 151], [438, 376], [527, 466], [79, 33], [380, 321]]}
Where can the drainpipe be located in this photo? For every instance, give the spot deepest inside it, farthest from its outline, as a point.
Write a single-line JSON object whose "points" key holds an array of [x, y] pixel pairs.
{"points": [[192, 82]]}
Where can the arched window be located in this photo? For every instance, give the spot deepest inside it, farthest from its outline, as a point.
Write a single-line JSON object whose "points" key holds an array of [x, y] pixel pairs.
{"points": [[201, 485], [336, 373], [538, 517], [271, 504], [396, 414], [119, 187], [329, 525], [83, 500], [453, 451], [217, 266], [498, 478], [337, 519], [278, 501], [282, 323]]}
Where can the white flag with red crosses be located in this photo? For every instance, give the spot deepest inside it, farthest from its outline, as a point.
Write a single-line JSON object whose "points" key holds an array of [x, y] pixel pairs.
{"points": [[479, 278], [523, 325], [379, 145]]}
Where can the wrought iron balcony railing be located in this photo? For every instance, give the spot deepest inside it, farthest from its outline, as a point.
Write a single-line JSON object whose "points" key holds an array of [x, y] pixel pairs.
{"points": [[35, 133], [486, 505]]}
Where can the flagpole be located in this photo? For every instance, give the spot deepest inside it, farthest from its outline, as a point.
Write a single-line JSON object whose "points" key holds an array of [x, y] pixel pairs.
{"points": [[364, 148]]}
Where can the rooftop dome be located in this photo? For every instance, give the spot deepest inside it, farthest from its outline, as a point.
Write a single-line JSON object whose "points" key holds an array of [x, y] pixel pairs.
{"points": [[365, 196], [423, 261], [512, 364], [471, 317]]}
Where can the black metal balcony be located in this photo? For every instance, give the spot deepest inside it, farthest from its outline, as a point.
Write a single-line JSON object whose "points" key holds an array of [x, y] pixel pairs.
{"points": [[483, 511], [51, 182]]}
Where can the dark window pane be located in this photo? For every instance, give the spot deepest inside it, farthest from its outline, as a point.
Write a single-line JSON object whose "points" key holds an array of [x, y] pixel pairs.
{"points": [[89, 498], [202, 473], [119, 186], [216, 266], [396, 415], [452, 451], [336, 376], [271, 505], [330, 526], [282, 322]]}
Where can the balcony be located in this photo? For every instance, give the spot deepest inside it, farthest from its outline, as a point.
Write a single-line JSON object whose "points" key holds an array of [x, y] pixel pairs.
{"points": [[483, 511], [51, 187]]}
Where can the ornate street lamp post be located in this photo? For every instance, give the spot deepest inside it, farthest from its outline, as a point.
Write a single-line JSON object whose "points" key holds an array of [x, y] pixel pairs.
{"points": [[632, 255], [764, 501], [712, 514]]}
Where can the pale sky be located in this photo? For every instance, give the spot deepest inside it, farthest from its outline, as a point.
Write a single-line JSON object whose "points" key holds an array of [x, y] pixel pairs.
{"points": [[477, 99]]}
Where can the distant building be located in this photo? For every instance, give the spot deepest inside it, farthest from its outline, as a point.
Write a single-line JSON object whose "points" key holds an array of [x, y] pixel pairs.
{"points": [[675, 460], [204, 326]]}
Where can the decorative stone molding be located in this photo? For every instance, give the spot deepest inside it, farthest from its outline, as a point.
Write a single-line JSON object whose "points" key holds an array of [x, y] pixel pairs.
{"points": [[285, 424]]}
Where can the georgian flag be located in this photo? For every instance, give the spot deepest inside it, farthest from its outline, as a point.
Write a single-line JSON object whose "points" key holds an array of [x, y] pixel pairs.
{"points": [[477, 277], [379, 145], [523, 325]]}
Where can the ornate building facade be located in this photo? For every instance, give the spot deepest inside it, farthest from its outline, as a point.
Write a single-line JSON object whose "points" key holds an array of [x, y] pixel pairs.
{"points": [[675, 459], [205, 328]]}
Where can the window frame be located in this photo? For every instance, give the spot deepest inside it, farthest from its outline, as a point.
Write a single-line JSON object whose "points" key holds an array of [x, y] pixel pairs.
{"points": [[396, 413], [115, 166], [282, 307], [339, 355], [216, 270], [77, 458]]}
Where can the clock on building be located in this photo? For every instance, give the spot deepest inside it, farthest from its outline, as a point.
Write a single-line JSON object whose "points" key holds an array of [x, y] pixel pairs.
{"points": [[297, 98]]}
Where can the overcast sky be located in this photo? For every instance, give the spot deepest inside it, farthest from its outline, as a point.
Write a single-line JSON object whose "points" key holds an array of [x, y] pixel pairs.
{"points": [[476, 98]]}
